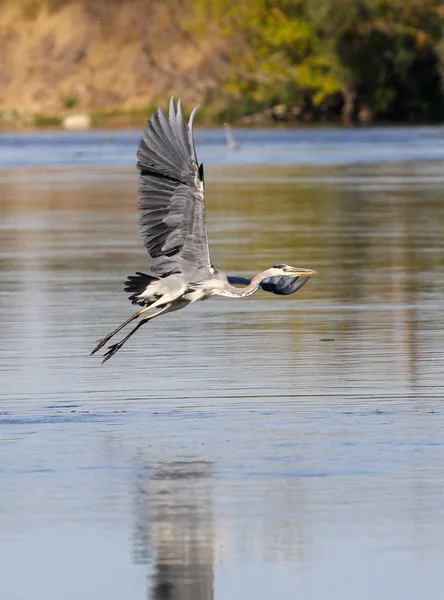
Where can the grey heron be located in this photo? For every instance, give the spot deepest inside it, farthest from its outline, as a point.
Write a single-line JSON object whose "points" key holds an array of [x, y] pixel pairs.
{"points": [[231, 142], [172, 225]]}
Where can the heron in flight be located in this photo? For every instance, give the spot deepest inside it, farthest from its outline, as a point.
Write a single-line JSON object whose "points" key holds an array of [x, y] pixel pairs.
{"points": [[172, 225]]}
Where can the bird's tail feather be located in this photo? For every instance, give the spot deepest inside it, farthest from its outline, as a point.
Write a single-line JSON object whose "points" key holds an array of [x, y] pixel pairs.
{"points": [[137, 284]]}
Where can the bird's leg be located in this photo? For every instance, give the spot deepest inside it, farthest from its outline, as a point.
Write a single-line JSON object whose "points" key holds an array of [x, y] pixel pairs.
{"points": [[104, 340], [115, 347]]}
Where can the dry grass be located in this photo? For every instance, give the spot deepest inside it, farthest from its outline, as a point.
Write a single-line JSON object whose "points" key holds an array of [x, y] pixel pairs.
{"points": [[99, 55]]}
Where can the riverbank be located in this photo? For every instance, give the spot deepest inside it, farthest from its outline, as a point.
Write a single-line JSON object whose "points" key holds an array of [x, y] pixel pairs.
{"points": [[252, 63], [126, 119], [209, 116]]}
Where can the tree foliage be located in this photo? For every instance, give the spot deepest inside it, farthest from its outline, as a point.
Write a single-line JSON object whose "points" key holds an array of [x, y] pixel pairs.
{"points": [[335, 57], [312, 59]]}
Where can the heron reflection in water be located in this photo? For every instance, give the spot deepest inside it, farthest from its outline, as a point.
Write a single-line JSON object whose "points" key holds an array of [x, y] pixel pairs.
{"points": [[172, 225], [175, 530]]}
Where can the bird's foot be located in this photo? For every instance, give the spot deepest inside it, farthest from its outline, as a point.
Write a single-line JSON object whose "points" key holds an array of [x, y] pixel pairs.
{"points": [[111, 351], [100, 344]]}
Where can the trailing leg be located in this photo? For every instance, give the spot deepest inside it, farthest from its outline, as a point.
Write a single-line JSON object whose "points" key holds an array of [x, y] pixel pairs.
{"points": [[104, 340], [115, 347]]}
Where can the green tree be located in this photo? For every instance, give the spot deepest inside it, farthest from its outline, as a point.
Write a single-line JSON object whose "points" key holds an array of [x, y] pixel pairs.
{"points": [[341, 56], [275, 53]]}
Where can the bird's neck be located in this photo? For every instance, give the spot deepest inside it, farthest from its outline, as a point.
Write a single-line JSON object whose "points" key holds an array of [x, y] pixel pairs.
{"points": [[234, 292]]}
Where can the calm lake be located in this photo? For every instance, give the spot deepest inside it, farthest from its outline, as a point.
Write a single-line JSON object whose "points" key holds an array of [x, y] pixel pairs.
{"points": [[271, 447]]}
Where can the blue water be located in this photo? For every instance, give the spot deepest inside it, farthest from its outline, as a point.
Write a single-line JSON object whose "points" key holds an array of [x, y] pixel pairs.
{"points": [[257, 146], [276, 447]]}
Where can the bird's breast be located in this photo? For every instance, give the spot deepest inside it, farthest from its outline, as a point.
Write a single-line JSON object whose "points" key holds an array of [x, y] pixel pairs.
{"points": [[196, 292]]}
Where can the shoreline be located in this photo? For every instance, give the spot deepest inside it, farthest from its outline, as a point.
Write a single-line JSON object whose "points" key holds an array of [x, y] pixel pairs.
{"points": [[133, 122]]}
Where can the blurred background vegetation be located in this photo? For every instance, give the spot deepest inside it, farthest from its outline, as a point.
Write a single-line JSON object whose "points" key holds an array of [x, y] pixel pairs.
{"points": [[248, 61]]}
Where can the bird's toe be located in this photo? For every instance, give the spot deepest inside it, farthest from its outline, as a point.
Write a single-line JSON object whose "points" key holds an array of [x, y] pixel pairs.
{"points": [[100, 344], [110, 352]]}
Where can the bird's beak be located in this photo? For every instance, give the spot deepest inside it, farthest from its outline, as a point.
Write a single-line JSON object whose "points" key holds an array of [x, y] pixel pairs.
{"points": [[303, 272]]}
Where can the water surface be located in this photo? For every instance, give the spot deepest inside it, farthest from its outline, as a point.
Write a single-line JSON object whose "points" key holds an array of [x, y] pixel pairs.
{"points": [[259, 448], [335, 146]]}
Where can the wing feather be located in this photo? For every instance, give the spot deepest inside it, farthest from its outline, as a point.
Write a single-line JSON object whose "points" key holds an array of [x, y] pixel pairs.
{"points": [[282, 286], [171, 197]]}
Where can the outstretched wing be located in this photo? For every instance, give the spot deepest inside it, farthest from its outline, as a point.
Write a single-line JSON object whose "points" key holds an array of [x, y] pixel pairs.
{"points": [[171, 197], [282, 286]]}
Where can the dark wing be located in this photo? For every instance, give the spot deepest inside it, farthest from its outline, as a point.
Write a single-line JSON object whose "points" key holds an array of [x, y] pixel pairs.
{"points": [[171, 197], [282, 286]]}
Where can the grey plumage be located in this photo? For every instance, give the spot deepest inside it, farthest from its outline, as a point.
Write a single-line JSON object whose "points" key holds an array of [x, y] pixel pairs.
{"points": [[173, 228], [281, 286], [171, 197]]}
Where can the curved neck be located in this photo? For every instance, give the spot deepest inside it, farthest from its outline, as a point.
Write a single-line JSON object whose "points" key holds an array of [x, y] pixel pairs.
{"points": [[234, 292]]}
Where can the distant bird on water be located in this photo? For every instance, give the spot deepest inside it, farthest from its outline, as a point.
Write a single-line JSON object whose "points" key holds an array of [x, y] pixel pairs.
{"points": [[172, 225], [231, 142]]}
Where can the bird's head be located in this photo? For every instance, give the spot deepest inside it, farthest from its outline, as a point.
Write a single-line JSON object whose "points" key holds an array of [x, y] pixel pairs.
{"points": [[282, 270]]}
